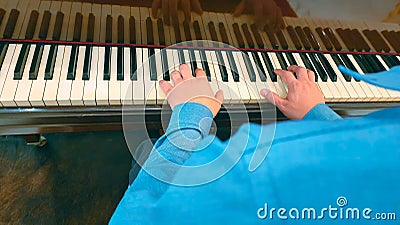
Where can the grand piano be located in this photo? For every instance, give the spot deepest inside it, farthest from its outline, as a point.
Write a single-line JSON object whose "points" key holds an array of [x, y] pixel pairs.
{"points": [[68, 66]]}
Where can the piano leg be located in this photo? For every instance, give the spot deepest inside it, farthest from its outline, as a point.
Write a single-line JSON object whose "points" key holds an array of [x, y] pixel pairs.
{"points": [[35, 140]]}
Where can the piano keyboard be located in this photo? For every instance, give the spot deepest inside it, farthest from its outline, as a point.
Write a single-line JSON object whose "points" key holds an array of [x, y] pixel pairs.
{"points": [[47, 73]]}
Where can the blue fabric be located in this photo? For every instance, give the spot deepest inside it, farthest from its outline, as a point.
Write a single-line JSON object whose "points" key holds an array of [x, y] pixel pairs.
{"points": [[313, 163], [321, 112], [387, 79]]}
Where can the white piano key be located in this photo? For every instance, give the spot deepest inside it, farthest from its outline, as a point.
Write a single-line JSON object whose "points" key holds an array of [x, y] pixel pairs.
{"points": [[366, 88], [75, 8], [78, 84], [38, 85], [161, 97], [144, 13], [101, 84], [105, 11], [138, 85], [243, 74], [89, 93], [50, 93], [237, 94], [114, 86], [96, 10], [44, 6], [150, 86], [23, 18], [24, 85], [211, 66], [394, 95], [64, 86], [8, 58], [218, 79], [66, 10], [270, 85], [135, 12], [326, 90], [86, 9], [7, 95], [115, 12], [126, 13], [345, 89], [260, 85], [187, 59], [54, 8], [281, 88], [126, 84], [3, 5]]}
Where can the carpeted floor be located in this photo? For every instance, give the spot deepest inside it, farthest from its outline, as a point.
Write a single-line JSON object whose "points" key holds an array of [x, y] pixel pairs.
{"points": [[77, 178]]}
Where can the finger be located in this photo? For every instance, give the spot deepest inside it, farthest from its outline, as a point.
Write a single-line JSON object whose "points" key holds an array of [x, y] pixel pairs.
{"points": [[165, 11], [286, 76], [240, 8], [196, 6], [173, 10], [176, 77], [185, 71], [154, 8], [165, 86], [311, 75], [185, 4], [273, 98], [258, 13], [220, 96], [300, 71], [200, 73]]}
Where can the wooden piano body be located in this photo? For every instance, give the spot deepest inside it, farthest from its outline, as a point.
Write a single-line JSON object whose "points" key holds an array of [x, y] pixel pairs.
{"points": [[76, 66]]}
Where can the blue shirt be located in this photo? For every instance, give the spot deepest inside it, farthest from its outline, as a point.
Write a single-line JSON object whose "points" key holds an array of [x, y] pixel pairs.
{"points": [[322, 169]]}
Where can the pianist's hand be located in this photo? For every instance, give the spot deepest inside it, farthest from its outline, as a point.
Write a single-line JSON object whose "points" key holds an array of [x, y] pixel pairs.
{"points": [[303, 93], [266, 12], [169, 9], [191, 89]]}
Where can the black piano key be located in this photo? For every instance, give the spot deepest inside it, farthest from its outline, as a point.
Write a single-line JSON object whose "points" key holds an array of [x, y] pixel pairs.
{"points": [[224, 36], [49, 70], [132, 31], [10, 25], [37, 58], [21, 62], [232, 64], [249, 66], [328, 68], [318, 66], [72, 62], [121, 31], [153, 67], [270, 67], [161, 34], [290, 58], [346, 36], [149, 30], [348, 63], [375, 66], [44, 26], [2, 13], [238, 35], [58, 26], [333, 39], [177, 31], [363, 63], [109, 29], [197, 31], [378, 63], [192, 60], [186, 29], [181, 56], [3, 51], [303, 38], [338, 61], [293, 36], [257, 35], [30, 29], [77, 27], [272, 39], [391, 38], [308, 64], [120, 63], [133, 63], [389, 60], [310, 36], [165, 66], [247, 36], [222, 67], [282, 39], [325, 39], [87, 63], [107, 63], [213, 31], [363, 45], [260, 68], [282, 60], [204, 63]]}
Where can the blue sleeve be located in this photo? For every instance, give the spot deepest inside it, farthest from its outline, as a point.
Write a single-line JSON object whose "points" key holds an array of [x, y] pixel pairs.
{"points": [[321, 112]]}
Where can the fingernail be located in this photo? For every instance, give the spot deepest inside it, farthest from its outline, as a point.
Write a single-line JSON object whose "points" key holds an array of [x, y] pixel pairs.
{"points": [[264, 92]]}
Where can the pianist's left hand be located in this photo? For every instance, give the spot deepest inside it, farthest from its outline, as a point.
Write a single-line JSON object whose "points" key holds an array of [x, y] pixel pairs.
{"points": [[266, 12], [169, 9], [303, 93], [191, 89]]}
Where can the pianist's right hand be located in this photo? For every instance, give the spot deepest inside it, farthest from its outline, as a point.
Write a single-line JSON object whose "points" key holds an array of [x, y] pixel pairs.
{"points": [[169, 9], [303, 93]]}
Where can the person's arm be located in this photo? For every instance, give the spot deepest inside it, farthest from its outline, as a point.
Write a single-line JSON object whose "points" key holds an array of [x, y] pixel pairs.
{"points": [[304, 99]]}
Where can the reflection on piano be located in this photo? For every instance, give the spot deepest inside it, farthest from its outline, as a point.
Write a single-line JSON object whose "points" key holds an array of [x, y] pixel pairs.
{"points": [[66, 66]]}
